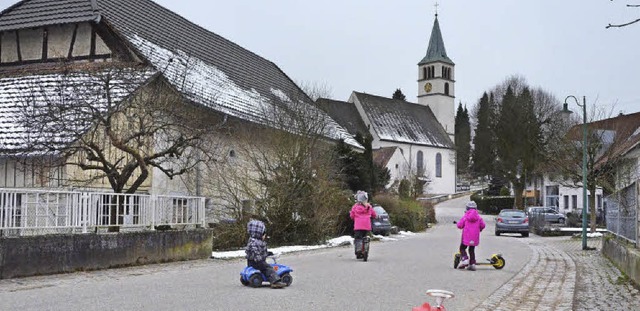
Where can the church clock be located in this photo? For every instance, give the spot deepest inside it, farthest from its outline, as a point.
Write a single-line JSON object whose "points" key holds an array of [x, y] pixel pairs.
{"points": [[427, 87]]}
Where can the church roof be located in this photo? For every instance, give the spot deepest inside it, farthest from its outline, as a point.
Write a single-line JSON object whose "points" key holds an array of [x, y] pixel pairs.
{"points": [[206, 68], [36, 13], [403, 122], [436, 51], [345, 113]]}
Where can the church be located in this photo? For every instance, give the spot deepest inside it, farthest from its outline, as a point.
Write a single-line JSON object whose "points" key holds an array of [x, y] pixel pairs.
{"points": [[410, 139]]}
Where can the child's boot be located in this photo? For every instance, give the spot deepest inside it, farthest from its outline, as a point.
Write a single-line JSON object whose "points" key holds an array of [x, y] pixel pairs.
{"points": [[472, 266], [278, 284], [464, 263]]}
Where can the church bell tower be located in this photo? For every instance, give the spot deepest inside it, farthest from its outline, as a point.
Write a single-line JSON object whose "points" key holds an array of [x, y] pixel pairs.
{"points": [[436, 81]]}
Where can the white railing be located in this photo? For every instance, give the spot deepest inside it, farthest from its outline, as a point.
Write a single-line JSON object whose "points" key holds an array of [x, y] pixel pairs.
{"points": [[35, 212]]}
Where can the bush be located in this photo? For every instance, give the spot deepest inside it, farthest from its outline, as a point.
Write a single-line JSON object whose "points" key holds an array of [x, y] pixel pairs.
{"points": [[493, 205], [227, 236], [407, 215], [504, 191]]}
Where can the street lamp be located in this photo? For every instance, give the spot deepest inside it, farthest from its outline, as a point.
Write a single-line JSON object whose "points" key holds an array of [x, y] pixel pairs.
{"points": [[584, 163]]}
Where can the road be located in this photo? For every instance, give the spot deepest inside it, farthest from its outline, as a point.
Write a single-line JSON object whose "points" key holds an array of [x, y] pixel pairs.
{"points": [[395, 278]]}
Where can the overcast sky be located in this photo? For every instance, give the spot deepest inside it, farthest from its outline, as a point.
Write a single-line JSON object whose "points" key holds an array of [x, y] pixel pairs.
{"points": [[374, 46]]}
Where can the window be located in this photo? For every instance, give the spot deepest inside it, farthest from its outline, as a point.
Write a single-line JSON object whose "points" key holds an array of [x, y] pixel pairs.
{"points": [[438, 165], [446, 89], [424, 73], [574, 201], [599, 200], [420, 163], [566, 202]]}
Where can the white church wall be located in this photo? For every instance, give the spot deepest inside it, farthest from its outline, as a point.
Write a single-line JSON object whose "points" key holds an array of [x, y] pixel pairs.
{"points": [[445, 184]]}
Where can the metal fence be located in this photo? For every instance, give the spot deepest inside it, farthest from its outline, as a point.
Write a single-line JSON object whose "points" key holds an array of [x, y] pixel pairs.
{"points": [[621, 213], [37, 212]]}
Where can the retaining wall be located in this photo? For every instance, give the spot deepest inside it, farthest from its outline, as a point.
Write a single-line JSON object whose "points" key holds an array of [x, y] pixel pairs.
{"points": [[50, 254], [625, 256]]}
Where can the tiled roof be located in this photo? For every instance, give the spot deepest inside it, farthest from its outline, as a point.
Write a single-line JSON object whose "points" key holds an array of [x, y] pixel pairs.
{"points": [[21, 97], [436, 51], [345, 113], [383, 155], [405, 122], [36, 13], [219, 73], [624, 131], [207, 68]]}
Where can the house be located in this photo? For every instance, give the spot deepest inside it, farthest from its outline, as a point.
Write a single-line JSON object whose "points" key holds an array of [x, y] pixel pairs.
{"points": [[422, 132], [55, 51]]}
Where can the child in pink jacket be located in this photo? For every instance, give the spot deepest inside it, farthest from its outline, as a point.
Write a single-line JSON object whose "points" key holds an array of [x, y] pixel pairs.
{"points": [[471, 224], [361, 213]]}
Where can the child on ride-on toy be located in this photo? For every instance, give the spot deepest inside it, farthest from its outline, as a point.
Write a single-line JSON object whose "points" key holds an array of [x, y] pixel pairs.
{"points": [[471, 224], [361, 213], [257, 252]]}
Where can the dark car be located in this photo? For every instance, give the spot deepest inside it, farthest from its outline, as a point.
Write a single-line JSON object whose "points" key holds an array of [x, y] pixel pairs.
{"points": [[381, 224], [512, 221], [549, 214]]}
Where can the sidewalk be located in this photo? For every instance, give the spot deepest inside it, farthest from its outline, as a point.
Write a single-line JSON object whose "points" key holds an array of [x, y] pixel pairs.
{"points": [[561, 276]]}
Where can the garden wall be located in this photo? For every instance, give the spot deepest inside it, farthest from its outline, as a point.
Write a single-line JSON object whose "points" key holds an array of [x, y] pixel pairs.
{"points": [[50, 254]]}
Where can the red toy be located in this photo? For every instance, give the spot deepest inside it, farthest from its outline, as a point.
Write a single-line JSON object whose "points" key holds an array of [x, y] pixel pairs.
{"points": [[441, 295]]}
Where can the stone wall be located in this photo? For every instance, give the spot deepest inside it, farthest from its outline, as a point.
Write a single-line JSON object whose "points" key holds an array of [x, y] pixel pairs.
{"points": [[625, 256], [50, 254]]}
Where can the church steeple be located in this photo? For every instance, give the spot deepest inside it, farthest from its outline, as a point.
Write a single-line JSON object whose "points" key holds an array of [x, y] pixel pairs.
{"points": [[436, 81], [436, 51]]}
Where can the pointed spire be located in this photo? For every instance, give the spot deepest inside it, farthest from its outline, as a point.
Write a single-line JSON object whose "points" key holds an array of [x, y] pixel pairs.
{"points": [[436, 50]]}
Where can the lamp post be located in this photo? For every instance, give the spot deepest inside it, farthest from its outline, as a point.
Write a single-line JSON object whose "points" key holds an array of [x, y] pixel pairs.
{"points": [[584, 164]]}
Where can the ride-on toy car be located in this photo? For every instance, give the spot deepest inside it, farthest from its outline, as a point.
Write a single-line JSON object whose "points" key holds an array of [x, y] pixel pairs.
{"points": [[254, 278], [441, 295], [496, 260]]}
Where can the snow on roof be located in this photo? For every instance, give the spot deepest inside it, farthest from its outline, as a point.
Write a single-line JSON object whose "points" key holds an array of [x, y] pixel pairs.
{"points": [[403, 122], [22, 98], [205, 84]]}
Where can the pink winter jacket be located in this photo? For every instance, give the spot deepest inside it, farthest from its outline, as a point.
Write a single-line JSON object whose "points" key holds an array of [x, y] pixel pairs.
{"points": [[361, 215], [471, 224]]}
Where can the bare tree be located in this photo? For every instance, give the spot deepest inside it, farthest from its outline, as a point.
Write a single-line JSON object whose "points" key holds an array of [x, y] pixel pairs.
{"points": [[284, 170], [627, 23], [605, 135], [115, 124], [316, 89]]}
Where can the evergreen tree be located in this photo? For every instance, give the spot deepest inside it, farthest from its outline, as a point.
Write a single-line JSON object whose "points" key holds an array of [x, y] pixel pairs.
{"points": [[462, 140], [483, 152], [398, 95]]}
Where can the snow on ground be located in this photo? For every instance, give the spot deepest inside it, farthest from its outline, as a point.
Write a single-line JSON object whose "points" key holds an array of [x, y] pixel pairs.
{"points": [[339, 241]]}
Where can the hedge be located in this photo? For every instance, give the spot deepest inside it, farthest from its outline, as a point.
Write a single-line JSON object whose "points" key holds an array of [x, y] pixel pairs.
{"points": [[494, 204]]}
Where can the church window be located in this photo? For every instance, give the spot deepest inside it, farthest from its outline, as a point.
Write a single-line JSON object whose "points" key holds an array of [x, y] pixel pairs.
{"points": [[444, 71], [424, 73], [438, 165], [433, 71], [232, 154], [446, 89], [420, 163]]}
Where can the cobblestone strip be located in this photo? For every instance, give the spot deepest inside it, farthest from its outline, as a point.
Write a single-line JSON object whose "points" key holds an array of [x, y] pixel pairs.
{"points": [[545, 283], [599, 285]]}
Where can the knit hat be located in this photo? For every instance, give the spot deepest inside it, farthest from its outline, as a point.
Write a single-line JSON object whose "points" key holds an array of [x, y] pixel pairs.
{"points": [[471, 204], [361, 196]]}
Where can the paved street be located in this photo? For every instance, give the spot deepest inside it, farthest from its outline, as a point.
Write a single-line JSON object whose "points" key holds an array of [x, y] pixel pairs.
{"points": [[540, 274]]}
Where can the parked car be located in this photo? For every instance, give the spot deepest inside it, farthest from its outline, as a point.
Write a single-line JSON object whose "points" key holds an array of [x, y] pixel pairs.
{"points": [[512, 221], [549, 214], [381, 224]]}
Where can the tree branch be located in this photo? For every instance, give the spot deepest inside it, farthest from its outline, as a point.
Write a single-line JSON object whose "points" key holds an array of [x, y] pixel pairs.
{"points": [[622, 25]]}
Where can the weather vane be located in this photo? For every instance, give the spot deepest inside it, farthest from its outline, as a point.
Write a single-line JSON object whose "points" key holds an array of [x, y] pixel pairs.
{"points": [[436, 5]]}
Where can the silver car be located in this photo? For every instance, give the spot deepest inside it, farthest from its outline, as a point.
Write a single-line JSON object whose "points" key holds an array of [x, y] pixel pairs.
{"points": [[549, 214], [512, 221]]}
